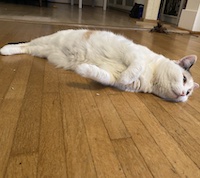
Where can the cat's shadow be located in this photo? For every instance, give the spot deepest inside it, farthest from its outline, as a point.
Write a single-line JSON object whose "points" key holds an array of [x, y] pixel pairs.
{"points": [[91, 85]]}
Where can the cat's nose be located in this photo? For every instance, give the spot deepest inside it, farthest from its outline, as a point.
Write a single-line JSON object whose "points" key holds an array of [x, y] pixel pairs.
{"points": [[182, 94]]}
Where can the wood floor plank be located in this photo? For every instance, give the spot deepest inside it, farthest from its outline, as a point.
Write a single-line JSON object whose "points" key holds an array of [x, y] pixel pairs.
{"points": [[24, 152], [7, 31], [195, 104], [16, 92], [182, 137], [8, 70], [112, 121], [105, 159], [78, 156], [132, 162], [9, 114], [181, 162], [52, 162], [51, 82], [190, 40], [189, 123], [67, 82], [153, 156], [18, 85], [28, 129], [192, 108], [23, 166]]}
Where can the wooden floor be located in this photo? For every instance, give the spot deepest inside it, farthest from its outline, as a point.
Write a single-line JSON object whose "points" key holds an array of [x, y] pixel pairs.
{"points": [[54, 123], [66, 14]]}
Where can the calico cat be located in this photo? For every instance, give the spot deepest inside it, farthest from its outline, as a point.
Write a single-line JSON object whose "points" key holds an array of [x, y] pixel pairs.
{"points": [[113, 60]]}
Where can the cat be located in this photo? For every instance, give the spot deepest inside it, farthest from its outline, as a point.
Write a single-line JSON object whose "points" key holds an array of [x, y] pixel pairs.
{"points": [[113, 60]]}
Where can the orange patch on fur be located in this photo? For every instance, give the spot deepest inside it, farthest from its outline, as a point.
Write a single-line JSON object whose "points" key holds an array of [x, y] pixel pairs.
{"points": [[88, 34]]}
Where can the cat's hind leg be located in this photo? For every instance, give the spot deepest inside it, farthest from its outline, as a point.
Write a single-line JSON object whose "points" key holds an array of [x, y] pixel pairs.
{"points": [[53, 54], [42, 51], [12, 49], [95, 73], [26, 48]]}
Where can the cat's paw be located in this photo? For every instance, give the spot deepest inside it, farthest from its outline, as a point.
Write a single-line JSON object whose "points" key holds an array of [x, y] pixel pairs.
{"points": [[131, 74], [95, 73], [126, 78], [84, 70], [10, 49], [4, 50]]}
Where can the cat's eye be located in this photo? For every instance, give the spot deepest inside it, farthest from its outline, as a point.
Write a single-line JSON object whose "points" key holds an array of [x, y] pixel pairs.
{"points": [[188, 92], [184, 79]]}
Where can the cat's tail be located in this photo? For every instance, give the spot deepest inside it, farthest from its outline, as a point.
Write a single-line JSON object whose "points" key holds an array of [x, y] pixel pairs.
{"points": [[11, 49]]}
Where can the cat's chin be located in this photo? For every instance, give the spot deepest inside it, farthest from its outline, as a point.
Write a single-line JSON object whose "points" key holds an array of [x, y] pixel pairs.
{"points": [[178, 99], [172, 97]]}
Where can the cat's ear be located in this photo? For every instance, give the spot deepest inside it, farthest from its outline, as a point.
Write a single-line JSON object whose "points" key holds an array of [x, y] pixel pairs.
{"points": [[196, 85], [187, 62]]}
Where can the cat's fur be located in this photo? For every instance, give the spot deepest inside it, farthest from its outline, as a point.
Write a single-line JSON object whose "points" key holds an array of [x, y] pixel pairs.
{"points": [[113, 60]]}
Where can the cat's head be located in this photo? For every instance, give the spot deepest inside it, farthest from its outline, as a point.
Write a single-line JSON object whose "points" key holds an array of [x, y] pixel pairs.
{"points": [[173, 80]]}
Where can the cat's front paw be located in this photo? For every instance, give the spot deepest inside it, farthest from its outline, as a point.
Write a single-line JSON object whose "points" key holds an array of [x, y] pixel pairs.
{"points": [[84, 70], [126, 78], [131, 74]]}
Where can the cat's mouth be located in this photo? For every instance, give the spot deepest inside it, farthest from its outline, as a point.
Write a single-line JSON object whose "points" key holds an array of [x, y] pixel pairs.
{"points": [[177, 95]]}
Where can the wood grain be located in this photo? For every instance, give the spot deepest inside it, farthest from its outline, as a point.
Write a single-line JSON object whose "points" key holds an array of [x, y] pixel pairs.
{"points": [[149, 149], [51, 161], [79, 158]]}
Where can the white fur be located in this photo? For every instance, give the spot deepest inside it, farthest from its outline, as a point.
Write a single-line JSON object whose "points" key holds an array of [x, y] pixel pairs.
{"points": [[113, 60]]}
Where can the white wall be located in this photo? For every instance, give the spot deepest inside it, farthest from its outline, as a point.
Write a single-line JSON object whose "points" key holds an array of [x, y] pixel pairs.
{"points": [[196, 26], [192, 4], [190, 17], [151, 9]]}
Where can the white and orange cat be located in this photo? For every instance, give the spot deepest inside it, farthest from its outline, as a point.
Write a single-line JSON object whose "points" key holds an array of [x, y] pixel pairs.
{"points": [[113, 60]]}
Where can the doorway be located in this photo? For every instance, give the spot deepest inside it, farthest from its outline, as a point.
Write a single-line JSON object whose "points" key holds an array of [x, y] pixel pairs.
{"points": [[170, 10]]}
